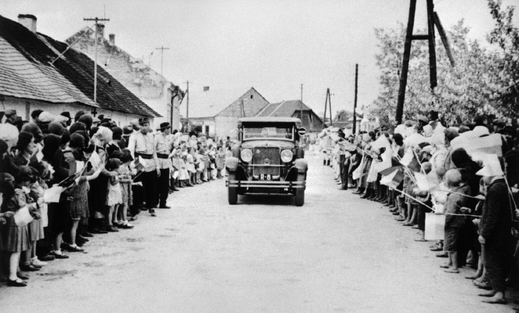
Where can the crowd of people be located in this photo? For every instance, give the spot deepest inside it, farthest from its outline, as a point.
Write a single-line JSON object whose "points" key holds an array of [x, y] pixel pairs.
{"points": [[65, 179], [456, 185]]}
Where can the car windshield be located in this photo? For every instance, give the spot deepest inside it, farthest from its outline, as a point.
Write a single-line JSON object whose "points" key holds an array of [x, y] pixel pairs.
{"points": [[260, 132]]}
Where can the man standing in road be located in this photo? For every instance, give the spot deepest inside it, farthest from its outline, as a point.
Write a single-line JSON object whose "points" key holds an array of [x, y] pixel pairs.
{"points": [[343, 169], [141, 146], [164, 146]]}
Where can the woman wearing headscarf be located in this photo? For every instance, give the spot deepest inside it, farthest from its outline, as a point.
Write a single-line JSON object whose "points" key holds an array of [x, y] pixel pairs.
{"points": [[53, 154], [87, 120]]}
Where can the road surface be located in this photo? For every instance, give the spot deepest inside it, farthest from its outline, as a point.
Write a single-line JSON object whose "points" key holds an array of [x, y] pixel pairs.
{"points": [[337, 253]]}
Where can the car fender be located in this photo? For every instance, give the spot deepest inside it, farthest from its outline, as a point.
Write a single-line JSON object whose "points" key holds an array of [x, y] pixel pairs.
{"points": [[231, 163], [301, 165]]}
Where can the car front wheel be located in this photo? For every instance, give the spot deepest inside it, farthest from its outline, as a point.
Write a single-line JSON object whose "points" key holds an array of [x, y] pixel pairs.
{"points": [[300, 192], [232, 191]]}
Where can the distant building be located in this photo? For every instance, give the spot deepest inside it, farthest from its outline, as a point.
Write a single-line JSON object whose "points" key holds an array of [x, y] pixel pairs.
{"points": [[217, 111], [293, 108], [152, 88], [36, 74]]}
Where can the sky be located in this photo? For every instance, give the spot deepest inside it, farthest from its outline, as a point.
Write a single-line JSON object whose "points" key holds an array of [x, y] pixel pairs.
{"points": [[274, 46]]}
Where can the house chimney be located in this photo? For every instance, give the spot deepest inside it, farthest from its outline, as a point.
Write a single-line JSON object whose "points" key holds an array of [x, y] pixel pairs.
{"points": [[100, 32], [28, 20], [112, 39]]}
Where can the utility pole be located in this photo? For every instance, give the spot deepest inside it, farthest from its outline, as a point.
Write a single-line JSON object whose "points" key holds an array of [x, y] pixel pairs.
{"points": [[354, 130], [407, 54], [328, 103], [301, 104], [96, 19], [187, 108], [162, 48]]}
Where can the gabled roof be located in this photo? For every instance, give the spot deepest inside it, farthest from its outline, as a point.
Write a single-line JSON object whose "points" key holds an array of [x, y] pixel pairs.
{"points": [[284, 108], [214, 101], [26, 72]]}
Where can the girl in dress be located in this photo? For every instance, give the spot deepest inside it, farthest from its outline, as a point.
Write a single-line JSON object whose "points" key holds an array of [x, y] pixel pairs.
{"points": [[115, 196], [220, 161], [183, 173], [125, 179], [191, 167], [18, 239]]}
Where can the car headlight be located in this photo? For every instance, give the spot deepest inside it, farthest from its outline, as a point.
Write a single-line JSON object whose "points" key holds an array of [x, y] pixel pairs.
{"points": [[286, 155], [246, 155]]}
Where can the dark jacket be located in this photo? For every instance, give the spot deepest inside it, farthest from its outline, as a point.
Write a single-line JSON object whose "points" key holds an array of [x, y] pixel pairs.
{"points": [[496, 219], [455, 201]]}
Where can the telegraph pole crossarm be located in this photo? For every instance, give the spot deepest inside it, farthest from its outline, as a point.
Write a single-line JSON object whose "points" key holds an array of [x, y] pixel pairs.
{"points": [[162, 48]]}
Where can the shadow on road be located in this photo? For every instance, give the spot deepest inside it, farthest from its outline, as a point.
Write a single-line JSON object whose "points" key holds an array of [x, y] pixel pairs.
{"points": [[268, 199]]}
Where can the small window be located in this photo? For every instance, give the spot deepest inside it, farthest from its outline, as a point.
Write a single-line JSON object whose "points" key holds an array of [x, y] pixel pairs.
{"points": [[251, 96]]}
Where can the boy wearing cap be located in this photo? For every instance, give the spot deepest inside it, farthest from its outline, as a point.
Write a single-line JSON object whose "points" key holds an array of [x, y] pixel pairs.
{"points": [[164, 145]]}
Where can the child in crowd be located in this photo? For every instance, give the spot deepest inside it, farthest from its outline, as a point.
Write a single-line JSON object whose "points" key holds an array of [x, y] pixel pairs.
{"points": [[18, 238], [183, 167], [190, 166], [204, 164], [37, 189], [199, 165], [125, 179], [453, 220], [115, 196], [219, 161]]}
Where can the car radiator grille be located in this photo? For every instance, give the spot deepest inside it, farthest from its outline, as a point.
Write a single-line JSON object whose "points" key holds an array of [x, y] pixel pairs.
{"points": [[266, 160]]}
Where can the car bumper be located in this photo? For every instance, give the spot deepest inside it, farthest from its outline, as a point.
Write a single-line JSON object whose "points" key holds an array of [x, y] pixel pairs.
{"points": [[265, 184]]}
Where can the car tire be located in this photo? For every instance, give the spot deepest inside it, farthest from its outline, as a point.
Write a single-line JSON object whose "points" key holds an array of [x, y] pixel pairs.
{"points": [[299, 197], [232, 192], [299, 194]]}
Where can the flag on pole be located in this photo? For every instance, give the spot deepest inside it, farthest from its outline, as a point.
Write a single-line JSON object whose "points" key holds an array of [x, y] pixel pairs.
{"points": [[394, 179], [410, 161]]}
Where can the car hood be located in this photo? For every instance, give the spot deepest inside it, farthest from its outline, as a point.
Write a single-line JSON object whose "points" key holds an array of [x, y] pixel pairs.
{"points": [[268, 143]]}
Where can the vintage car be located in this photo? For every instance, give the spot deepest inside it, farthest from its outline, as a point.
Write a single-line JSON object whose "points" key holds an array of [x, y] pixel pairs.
{"points": [[267, 159]]}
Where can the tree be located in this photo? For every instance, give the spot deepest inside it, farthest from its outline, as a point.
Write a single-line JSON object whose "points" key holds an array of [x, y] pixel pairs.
{"points": [[506, 37], [342, 116], [463, 91]]}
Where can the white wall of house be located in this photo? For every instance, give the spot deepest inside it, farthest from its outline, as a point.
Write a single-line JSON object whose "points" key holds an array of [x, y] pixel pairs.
{"points": [[24, 107]]}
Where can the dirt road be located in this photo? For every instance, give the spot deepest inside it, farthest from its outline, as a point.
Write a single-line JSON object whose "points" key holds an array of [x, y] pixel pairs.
{"points": [[337, 253]]}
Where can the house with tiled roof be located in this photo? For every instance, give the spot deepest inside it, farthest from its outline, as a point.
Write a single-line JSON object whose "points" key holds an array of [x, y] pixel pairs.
{"points": [[149, 86], [294, 108], [217, 110], [38, 72]]}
